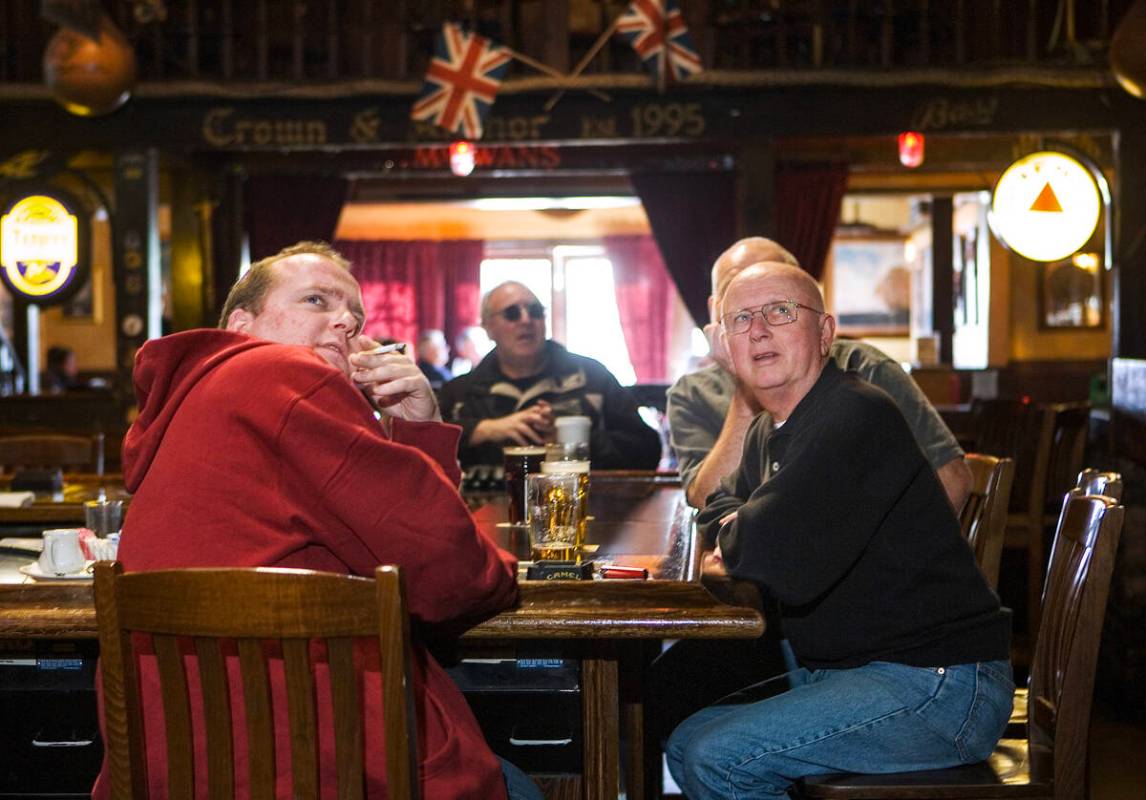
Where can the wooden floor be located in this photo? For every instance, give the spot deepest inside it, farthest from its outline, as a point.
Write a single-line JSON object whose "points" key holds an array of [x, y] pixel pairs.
{"points": [[1117, 756]]}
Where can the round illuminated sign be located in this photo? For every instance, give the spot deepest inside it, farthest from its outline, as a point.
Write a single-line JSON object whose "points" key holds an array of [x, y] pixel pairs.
{"points": [[1046, 206], [39, 248]]}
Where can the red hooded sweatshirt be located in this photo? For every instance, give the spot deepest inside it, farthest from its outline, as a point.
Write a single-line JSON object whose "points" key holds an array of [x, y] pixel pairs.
{"points": [[248, 453]]}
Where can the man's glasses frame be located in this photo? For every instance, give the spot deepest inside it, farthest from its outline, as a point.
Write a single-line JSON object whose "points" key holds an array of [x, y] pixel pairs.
{"points": [[515, 312], [780, 312]]}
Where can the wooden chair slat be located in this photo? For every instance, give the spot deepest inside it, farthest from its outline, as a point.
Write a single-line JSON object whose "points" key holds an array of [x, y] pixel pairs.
{"points": [[260, 723], [177, 718], [397, 695], [217, 717], [303, 729], [347, 716]]}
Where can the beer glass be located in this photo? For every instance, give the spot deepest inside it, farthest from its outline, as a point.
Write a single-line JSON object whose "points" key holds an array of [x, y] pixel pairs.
{"points": [[555, 504], [519, 462], [579, 467]]}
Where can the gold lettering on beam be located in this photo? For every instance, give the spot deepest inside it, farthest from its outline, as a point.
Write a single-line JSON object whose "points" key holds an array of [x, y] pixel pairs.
{"points": [[214, 132], [222, 129], [598, 127], [941, 113]]}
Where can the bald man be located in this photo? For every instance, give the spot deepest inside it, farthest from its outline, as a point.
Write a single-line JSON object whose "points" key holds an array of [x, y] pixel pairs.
{"points": [[709, 413], [902, 649]]}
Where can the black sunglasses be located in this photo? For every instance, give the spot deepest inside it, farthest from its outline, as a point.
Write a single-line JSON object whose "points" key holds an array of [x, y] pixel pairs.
{"points": [[513, 313]]}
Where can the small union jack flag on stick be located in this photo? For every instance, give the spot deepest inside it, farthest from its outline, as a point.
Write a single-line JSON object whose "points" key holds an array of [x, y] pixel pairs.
{"points": [[461, 82], [656, 30]]}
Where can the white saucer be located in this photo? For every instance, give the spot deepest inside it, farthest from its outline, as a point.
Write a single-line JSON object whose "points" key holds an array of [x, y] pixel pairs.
{"points": [[33, 571]]}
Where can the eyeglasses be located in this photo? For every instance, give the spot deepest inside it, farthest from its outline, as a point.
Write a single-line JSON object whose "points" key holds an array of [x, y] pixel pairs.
{"points": [[782, 312], [514, 312]]}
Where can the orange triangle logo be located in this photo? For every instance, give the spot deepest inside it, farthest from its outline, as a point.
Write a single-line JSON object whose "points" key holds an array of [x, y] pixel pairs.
{"points": [[1047, 200]]}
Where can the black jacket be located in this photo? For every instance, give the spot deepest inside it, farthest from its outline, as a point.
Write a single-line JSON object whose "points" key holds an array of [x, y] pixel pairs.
{"points": [[573, 385], [842, 520]]}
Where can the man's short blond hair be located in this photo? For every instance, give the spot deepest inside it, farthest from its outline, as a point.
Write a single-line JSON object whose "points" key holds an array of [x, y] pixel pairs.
{"points": [[250, 291]]}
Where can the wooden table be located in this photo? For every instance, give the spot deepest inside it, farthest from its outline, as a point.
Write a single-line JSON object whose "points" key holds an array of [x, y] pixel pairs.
{"points": [[65, 507], [637, 521]]}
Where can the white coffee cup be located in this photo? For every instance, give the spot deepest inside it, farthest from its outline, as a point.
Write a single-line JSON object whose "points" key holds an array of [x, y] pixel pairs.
{"points": [[62, 553], [573, 429]]}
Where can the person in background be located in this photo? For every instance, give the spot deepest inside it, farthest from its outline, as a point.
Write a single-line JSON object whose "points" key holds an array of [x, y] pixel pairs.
{"points": [[517, 391], [255, 447], [62, 373], [469, 348], [834, 511], [433, 354], [709, 412]]}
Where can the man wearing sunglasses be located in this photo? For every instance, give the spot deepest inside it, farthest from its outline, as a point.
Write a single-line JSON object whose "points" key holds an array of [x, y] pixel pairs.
{"points": [[517, 391]]}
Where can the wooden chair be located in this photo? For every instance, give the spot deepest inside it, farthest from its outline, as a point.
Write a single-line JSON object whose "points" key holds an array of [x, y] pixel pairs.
{"points": [[1051, 762], [984, 516], [1047, 444], [220, 610], [1107, 484], [52, 450], [1093, 482]]}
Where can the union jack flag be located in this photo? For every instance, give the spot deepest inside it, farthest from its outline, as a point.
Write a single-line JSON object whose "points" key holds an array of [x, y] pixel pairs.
{"points": [[461, 81], [656, 30]]}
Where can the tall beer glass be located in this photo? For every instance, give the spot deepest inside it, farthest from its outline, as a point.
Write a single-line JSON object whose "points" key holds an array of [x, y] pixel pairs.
{"points": [[519, 462]]}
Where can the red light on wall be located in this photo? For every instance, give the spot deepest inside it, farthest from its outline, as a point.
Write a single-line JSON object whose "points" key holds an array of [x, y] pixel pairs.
{"points": [[911, 149], [461, 158]]}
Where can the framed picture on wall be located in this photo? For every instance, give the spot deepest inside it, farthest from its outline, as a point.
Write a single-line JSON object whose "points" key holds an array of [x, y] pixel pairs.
{"points": [[871, 285], [1072, 293], [82, 307]]}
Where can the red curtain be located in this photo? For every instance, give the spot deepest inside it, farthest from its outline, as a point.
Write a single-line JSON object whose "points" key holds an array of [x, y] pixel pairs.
{"points": [[644, 301], [808, 200], [693, 217], [408, 287], [284, 209]]}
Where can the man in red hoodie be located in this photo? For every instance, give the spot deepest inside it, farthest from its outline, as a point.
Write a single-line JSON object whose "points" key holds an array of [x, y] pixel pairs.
{"points": [[254, 446]]}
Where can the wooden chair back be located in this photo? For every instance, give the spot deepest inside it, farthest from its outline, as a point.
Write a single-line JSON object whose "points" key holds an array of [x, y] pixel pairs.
{"points": [[262, 614], [1062, 670], [52, 450], [1051, 763], [984, 516], [1066, 425], [1093, 481]]}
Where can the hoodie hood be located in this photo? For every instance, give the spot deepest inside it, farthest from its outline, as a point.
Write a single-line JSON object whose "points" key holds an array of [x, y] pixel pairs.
{"points": [[166, 370]]}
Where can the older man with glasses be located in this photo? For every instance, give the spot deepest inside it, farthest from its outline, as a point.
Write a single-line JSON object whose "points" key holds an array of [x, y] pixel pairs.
{"points": [[901, 647], [517, 391]]}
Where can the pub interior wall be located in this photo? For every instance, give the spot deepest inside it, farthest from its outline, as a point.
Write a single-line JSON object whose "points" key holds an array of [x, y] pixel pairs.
{"points": [[1029, 343]]}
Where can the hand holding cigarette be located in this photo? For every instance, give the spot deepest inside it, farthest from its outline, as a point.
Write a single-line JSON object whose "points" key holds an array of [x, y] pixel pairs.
{"points": [[393, 381]]}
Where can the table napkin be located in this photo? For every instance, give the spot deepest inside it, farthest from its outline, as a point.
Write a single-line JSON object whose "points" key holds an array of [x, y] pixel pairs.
{"points": [[16, 499]]}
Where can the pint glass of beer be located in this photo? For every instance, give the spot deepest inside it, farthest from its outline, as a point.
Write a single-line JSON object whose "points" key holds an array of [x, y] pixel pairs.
{"points": [[580, 469], [519, 462], [555, 506]]}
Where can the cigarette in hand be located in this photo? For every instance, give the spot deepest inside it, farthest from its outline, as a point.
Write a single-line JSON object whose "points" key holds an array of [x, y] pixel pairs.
{"points": [[396, 347]]}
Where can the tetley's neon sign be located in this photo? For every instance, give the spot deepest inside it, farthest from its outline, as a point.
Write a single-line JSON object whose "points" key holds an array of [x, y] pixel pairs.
{"points": [[39, 247]]}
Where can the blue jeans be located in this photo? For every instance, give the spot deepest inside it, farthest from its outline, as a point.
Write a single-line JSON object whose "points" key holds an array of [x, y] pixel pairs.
{"points": [[518, 785], [880, 717]]}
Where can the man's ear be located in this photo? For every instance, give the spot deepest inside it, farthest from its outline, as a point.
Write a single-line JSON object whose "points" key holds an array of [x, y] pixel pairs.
{"points": [[712, 308], [240, 320], [827, 333]]}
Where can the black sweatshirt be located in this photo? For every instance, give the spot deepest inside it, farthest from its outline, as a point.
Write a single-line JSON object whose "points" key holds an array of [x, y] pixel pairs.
{"points": [[850, 530]]}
